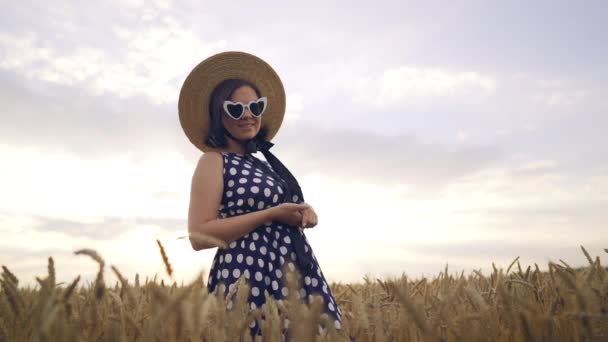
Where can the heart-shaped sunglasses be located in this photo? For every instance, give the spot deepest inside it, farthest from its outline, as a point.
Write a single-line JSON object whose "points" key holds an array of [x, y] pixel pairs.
{"points": [[236, 110]]}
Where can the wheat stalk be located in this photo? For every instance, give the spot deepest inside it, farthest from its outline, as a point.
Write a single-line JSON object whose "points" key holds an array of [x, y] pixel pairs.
{"points": [[125, 286], [564, 303], [9, 276], [99, 283], [165, 258]]}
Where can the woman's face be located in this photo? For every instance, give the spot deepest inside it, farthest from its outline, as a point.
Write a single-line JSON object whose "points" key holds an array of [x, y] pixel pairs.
{"points": [[248, 126]]}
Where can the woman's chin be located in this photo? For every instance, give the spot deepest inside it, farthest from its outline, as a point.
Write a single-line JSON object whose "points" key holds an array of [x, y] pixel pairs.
{"points": [[245, 136]]}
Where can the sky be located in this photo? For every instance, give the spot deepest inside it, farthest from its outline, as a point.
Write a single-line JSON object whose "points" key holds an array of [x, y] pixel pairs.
{"points": [[424, 133]]}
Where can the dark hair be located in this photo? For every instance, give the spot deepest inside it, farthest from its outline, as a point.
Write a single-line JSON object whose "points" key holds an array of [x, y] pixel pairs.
{"points": [[216, 137]]}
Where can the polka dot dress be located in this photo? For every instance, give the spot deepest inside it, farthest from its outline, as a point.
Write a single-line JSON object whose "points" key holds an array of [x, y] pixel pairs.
{"points": [[264, 254]]}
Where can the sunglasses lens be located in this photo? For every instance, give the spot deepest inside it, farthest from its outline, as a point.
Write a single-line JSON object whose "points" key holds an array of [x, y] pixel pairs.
{"points": [[257, 108], [235, 110]]}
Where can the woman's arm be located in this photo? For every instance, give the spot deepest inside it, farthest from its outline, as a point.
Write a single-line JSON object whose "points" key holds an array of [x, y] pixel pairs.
{"points": [[205, 198]]}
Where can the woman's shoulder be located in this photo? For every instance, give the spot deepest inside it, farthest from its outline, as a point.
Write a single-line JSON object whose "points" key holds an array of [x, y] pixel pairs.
{"points": [[218, 154], [210, 156], [208, 162]]}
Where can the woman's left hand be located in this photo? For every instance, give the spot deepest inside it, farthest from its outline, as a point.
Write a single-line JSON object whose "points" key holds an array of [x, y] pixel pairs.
{"points": [[309, 218]]}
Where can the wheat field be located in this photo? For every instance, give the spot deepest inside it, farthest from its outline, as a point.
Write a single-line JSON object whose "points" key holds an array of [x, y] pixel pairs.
{"points": [[516, 304]]}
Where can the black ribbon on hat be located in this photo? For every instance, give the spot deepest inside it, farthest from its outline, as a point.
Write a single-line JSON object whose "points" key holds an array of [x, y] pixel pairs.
{"points": [[292, 189]]}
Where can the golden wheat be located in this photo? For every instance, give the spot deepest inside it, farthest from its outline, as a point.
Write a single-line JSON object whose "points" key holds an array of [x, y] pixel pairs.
{"points": [[563, 303], [163, 254]]}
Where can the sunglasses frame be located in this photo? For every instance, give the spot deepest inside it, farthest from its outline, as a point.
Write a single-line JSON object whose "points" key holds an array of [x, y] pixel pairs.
{"points": [[245, 107]]}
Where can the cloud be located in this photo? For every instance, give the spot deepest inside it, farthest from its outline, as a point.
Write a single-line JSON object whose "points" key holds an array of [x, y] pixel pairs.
{"points": [[492, 216], [380, 159], [107, 228], [152, 65], [96, 228], [94, 155], [13, 255], [560, 94], [90, 126], [63, 118], [143, 51], [293, 110], [477, 254], [132, 250], [409, 84]]}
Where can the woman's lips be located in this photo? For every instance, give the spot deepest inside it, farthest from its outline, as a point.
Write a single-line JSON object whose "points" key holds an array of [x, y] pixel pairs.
{"points": [[246, 126]]}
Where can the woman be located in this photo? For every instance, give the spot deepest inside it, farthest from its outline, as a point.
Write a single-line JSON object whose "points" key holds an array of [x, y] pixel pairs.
{"points": [[231, 105]]}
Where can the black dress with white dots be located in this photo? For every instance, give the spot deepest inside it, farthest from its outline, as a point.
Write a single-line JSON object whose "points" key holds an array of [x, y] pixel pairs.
{"points": [[264, 254]]}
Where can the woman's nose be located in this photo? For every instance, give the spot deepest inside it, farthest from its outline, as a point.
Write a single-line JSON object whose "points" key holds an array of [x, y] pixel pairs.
{"points": [[248, 113]]}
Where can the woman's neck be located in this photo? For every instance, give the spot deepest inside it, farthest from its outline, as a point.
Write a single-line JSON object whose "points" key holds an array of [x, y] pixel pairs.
{"points": [[234, 146]]}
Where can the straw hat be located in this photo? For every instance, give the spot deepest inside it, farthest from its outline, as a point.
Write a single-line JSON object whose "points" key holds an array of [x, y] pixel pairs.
{"points": [[195, 94]]}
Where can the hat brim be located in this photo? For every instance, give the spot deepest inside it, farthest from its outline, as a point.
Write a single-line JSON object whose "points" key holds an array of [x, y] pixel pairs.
{"points": [[194, 97]]}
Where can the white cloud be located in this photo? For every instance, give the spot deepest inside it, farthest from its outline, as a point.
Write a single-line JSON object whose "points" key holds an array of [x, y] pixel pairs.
{"points": [[562, 98], [411, 84], [133, 4], [534, 200], [37, 182], [151, 62], [539, 165], [490, 216], [410, 203], [380, 159], [293, 110], [556, 93], [20, 51], [462, 135]]}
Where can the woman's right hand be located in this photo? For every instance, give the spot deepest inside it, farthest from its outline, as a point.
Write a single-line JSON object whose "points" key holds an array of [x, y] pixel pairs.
{"points": [[289, 213]]}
